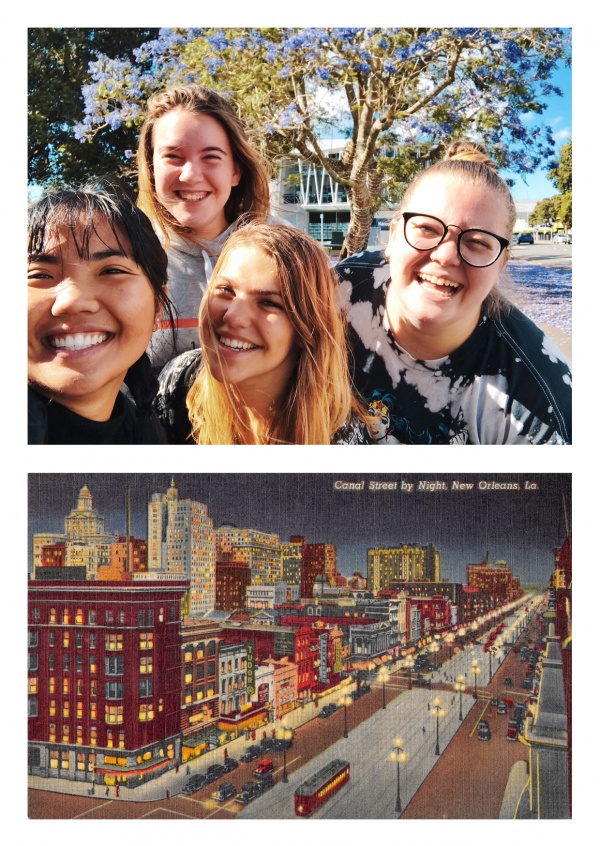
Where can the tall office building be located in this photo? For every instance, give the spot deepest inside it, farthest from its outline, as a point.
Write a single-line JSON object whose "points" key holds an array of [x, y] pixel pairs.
{"points": [[260, 550], [408, 562], [181, 541], [318, 560]]}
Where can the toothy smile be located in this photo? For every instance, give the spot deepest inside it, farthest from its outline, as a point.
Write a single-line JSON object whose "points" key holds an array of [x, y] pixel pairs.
{"points": [[79, 341], [193, 197], [234, 344], [440, 283]]}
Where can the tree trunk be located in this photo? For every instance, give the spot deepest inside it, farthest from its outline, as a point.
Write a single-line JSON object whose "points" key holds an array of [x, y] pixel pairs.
{"points": [[362, 210]]}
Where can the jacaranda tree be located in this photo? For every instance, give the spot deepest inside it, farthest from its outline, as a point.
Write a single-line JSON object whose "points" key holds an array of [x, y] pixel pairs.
{"points": [[413, 90]]}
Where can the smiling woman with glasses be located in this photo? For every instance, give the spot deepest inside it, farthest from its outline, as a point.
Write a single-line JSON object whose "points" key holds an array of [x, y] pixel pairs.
{"points": [[457, 363]]}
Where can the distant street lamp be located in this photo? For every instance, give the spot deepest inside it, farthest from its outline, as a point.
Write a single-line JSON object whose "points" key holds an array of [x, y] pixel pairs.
{"points": [[382, 677], [475, 669], [284, 733], [437, 711], [345, 701], [398, 756], [409, 662], [460, 685]]}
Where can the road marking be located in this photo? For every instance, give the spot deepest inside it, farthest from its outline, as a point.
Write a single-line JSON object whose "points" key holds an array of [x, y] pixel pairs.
{"points": [[89, 811]]}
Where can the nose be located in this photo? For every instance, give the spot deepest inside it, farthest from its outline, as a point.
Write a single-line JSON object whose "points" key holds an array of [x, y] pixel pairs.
{"points": [[191, 171], [446, 252], [73, 296], [237, 313]]}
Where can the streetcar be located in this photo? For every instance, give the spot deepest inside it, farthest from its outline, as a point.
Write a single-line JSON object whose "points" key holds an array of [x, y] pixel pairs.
{"points": [[320, 786]]}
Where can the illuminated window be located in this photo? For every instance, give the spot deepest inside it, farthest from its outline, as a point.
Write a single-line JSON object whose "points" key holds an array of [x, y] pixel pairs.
{"points": [[79, 616], [113, 641], [93, 736], [54, 759], [188, 678], [66, 616], [80, 755], [200, 652], [188, 655], [146, 640], [93, 668], [53, 615], [122, 761], [113, 714], [52, 733], [79, 738], [146, 712], [93, 687], [65, 708], [65, 734], [146, 664], [66, 686], [33, 684], [93, 711], [52, 708]]}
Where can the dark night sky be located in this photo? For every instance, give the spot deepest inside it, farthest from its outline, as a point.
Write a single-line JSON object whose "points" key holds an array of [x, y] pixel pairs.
{"points": [[521, 527]]}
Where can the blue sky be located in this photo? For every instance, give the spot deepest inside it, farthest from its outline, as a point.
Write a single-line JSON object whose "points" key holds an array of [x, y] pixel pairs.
{"points": [[558, 116]]}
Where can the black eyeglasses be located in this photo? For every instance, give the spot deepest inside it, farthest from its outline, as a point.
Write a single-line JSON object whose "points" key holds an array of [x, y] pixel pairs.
{"points": [[475, 246]]}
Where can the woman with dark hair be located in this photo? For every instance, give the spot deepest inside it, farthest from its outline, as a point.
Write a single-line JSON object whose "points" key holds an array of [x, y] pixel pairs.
{"points": [[429, 329], [197, 176], [96, 285]]}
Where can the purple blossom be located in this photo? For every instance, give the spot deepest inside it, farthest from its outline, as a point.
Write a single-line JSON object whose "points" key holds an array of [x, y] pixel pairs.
{"points": [[362, 67], [323, 73]]}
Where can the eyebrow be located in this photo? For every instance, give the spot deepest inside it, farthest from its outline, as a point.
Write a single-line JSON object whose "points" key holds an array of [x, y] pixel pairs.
{"points": [[170, 147], [100, 255], [256, 292]]}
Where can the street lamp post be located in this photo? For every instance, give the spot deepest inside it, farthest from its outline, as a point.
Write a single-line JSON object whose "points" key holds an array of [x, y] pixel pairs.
{"points": [[382, 677], [398, 756], [345, 701], [460, 686], [475, 669], [437, 711], [409, 662], [285, 734]]}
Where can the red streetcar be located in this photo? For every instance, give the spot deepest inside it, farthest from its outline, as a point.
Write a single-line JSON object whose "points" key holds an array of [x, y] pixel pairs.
{"points": [[320, 786]]}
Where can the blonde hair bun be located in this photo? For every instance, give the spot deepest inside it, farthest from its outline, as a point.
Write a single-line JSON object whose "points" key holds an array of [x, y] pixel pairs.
{"points": [[469, 151]]}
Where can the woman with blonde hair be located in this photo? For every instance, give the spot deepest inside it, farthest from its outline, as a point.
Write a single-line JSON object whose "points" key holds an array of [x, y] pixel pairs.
{"points": [[456, 362], [273, 365], [197, 174]]}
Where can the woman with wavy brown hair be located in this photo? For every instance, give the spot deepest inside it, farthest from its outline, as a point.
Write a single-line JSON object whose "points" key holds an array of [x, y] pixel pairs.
{"points": [[197, 174], [273, 366]]}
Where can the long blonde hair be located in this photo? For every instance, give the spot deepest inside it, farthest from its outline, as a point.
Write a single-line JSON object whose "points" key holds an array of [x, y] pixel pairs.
{"points": [[249, 198], [319, 398]]}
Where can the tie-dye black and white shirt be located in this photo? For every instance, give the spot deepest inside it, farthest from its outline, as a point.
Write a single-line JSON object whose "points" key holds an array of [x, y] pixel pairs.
{"points": [[508, 383]]}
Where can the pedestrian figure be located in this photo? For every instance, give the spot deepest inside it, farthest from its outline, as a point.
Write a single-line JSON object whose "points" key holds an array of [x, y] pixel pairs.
{"points": [[117, 791], [168, 795], [423, 729], [428, 706], [176, 767], [187, 770], [107, 791]]}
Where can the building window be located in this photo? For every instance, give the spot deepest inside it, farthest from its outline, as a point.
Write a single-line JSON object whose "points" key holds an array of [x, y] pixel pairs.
{"points": [[65, 639], [80, 755], [122, 746], [53, 615], [93, 734], [79, 738], [79, 662], [32, 661], [66, 686], [188, 656], [52, 684], [52, 733], [146, 640], [36, 615], [211, 648], [92, 640], [114, 665], [200, 652], [92, 618], [65, 661], [93, 711], [33, 684], [113, 641], [121, 618], [199, 671], [54, 759], [113, 714], [187, 695], [79, 617], [146, 712], [93, 687], [32, 706], [108, 617], [145, 687], [146, 665], [150, 617], [188, 678], [65, 738], [33, 638], [210, 668], [66, 616], [141, 617], [65, 709], [114, 690], [93, 662], [79, 639], [50, 638], [52, 708]]}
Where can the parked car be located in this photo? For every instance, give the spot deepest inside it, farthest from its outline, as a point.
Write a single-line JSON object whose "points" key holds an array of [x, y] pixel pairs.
{"points": [[230, 764], [194, 783], [251, 754], [502, 709], [327, 710], [252, 789], [281, 743], [265, 766], [495, 702], [512, 730], [525, 238], [483, 731], [419, 682], [225, 791], [562, 238]]}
